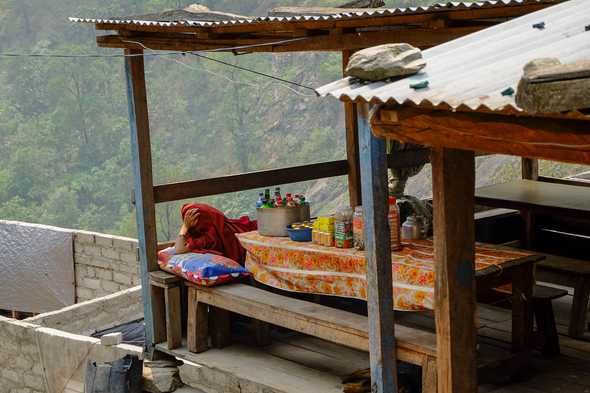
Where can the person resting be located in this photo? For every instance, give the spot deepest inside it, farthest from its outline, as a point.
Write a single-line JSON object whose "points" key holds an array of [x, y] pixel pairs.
{"points": [[207, 230]]}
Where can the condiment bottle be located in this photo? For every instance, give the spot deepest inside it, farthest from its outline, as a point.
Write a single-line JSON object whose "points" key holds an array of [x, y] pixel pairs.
{"points": [[358, 228], [394, 224], [290, 202], [411, 229]]}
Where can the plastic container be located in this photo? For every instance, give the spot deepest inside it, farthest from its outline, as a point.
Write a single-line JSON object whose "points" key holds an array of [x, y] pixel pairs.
{"points": [[343, 235], [411, 229], [358, 228], [325, 223], [394, 225], [274, 221], [299, 235]]}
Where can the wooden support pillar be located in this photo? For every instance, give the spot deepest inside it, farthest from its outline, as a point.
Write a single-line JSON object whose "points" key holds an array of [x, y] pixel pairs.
{"points": [[141, 159], [530, 171], [530, 168], [453, 178], [373, 164], [352, 144]]}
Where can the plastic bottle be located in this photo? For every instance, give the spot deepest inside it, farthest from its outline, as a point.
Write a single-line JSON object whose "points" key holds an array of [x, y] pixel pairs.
{"points": [[278, 197], [290, 202], [260, 200], [358, 228], [394, 225]]}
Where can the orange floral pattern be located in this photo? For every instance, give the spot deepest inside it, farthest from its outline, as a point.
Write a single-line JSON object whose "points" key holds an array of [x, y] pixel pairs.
{"points": [[311, 268]]}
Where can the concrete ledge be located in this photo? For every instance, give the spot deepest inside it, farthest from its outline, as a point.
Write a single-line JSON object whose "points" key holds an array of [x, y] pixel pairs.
{"points": [[244, 369], [37, 359], [97, 314]]}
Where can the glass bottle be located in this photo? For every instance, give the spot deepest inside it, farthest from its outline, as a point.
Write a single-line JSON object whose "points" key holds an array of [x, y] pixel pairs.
{"points": [[394, 224], [267, 194]]}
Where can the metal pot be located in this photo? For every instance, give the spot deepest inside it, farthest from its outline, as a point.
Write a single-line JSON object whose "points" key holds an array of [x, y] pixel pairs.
{"points": [[274, 221]]}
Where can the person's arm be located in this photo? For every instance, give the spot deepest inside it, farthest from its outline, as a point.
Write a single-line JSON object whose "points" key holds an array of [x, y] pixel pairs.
{"points": [[180, 243], [190, 220]]}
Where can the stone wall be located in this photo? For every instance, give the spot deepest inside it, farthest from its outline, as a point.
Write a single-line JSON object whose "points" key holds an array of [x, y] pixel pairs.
{"points": [[104, 264], [94, 315], [35, 359], [20, 361]]}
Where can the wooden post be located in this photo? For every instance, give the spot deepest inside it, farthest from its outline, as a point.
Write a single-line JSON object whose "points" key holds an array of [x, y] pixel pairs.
{"points": [[530, 168], [141, 159], [373, 164], [530, 171], [453, 178], [352, 144], [197, 327]]}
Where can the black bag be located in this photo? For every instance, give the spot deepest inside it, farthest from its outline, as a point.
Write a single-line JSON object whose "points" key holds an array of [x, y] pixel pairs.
{"points": [[121, 376]]}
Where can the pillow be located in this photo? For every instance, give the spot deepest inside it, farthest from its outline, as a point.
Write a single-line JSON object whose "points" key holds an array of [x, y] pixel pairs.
{"points": [[202, 269]]}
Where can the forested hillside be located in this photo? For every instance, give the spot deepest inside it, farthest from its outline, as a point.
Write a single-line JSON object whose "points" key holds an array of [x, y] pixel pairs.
{"points": [[64, 131]]}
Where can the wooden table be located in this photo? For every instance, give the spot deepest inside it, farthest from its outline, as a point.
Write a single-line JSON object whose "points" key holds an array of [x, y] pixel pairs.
{"points": [[537, 196], [314, 269]]}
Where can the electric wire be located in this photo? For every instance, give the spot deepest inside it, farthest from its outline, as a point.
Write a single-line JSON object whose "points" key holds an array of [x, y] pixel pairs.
{"points": [[164, 55], [273, 77]]}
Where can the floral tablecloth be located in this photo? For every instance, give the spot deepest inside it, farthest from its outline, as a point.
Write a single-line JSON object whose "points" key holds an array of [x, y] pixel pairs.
{"points": [[311, 268]]}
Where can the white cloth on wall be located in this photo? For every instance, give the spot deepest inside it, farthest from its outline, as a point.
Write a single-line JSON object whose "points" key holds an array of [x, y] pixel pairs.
{"points": [[36, 267]]}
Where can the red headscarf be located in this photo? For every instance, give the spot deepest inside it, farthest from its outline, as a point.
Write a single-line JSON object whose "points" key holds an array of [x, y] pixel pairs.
{"points": [[215, 233]]}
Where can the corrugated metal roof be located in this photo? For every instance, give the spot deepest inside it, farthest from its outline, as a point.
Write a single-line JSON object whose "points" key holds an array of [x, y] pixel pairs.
{"points": [[470, 73], [305, 18]]}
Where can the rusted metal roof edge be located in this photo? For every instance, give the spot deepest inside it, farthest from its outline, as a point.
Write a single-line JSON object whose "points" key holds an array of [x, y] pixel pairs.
{"points": [[310, 18], [508, 110]]}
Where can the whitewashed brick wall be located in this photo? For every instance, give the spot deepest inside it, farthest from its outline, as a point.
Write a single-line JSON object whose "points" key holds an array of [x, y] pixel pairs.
{"points": [[104, 264]]}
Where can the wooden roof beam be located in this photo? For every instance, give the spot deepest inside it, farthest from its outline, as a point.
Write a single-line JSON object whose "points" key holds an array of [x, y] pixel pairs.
{"points": [[422, 38], [551, 138]]}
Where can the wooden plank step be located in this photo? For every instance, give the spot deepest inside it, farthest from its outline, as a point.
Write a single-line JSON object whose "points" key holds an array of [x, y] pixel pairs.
{"points": [[316, 320]]}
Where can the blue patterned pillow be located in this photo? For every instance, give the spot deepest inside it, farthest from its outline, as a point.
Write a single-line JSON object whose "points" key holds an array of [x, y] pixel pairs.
{"points": [[202, 269]]}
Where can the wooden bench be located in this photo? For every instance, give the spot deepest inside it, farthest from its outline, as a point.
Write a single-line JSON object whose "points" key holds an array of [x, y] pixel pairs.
{"points": [[543, 297], [546, 336], [413, 346], [165, 290], [538, 197], [564, 200], [572, 273]]}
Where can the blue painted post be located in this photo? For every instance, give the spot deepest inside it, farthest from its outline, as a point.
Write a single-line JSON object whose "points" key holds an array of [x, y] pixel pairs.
{"points": [[142, 170], [373, 163]]}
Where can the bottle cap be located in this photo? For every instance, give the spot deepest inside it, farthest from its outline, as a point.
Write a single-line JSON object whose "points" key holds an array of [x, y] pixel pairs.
{"points": [[392, 200]]}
